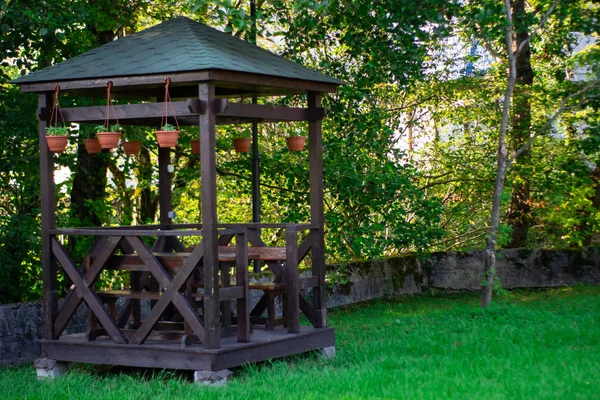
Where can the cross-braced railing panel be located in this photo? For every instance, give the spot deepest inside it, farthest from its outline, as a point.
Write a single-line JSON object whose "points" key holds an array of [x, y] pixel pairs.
{"points": [[173, 284]]}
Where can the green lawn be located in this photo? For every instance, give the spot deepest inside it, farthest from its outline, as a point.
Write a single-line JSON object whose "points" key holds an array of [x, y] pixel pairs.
{"points": [[536, 344]]}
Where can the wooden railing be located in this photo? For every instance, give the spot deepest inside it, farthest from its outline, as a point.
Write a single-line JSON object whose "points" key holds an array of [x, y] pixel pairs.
{"points": [[176, 276]]}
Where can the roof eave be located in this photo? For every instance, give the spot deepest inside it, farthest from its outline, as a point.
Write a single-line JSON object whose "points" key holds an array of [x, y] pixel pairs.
{"points": [[223, 78]]}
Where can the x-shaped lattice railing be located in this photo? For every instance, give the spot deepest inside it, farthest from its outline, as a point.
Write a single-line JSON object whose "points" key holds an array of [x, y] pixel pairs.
{"points": [[82, 291]]}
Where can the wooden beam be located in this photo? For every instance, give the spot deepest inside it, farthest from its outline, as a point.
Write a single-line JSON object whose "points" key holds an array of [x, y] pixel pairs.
{"points": [[126, 112], [315, 156], [208, 172], [187, 112], [249, 83], [260, 112]]}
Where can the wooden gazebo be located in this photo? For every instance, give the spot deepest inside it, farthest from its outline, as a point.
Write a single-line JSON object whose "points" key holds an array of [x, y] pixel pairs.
{"points": [[207, 69]]}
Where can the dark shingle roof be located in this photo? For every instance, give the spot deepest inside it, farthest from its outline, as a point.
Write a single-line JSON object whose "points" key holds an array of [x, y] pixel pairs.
{"points": [[178, 45]]}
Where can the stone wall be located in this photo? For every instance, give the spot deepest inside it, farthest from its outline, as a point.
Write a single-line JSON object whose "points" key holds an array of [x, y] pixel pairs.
{"points": [[21, 324], [463, 271]]}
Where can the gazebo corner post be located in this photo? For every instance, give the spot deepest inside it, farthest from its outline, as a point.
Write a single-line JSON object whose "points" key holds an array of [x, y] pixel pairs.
{"points": [[207, 128], [48, 221], [315, 152]]}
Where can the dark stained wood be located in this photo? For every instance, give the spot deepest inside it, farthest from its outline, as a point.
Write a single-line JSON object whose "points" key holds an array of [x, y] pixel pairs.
{"points": [[262, 346], [208, 172], [165, 190], [124, 112], [246, 83], [92, 300], [126, 83], [136, 232], [93, 269], [291, 281], [315, 154], [171, 292], [264, 83], [259, 112], [243, 305], [48, 220], [275, 267]]}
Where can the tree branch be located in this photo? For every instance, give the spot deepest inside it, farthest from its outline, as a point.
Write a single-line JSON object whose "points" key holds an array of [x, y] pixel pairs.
{"points": [[535, 31], [563, 107]]}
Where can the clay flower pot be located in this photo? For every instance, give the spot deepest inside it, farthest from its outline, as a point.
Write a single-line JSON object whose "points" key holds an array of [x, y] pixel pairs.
{"points": [[132, 148], [167, 138], [57, 144], [196, 146], [92, 145], [109, 140], [296, 143], [242, 145]]}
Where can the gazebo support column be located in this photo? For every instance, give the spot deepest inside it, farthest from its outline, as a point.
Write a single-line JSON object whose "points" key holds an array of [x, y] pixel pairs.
{"points": [[207, 123], [315, 151], [48, 217]]}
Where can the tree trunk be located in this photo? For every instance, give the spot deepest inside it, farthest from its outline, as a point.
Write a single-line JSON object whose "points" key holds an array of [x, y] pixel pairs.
{"points": [[489, 270], [89, 183], [147, 199], [519, 216]]}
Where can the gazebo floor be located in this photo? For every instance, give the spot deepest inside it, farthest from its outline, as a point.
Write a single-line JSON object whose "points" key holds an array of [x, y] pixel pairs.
{"points": [[263, 345]]}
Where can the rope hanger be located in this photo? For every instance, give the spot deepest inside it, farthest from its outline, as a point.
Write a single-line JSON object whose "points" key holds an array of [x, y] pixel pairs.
{"points": [[167, 101], [56, 108], [109, 104]]}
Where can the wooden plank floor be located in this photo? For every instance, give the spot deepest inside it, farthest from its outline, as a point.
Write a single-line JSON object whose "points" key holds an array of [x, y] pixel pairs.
{"points": [[263, 345]]}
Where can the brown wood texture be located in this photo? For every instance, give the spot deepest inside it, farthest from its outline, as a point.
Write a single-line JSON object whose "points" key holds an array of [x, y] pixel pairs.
{"points": [[91, 298], [315, 154], [230, 82], [164, 354], [241, 277], [48, 221], [75, 298], [291, 281], [208, 173]]}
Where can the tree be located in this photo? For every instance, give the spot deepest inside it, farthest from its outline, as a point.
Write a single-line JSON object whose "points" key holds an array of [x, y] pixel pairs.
{"points": [[515, 44]]}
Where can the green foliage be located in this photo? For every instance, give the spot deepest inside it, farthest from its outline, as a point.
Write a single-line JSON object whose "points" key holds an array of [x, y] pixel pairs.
{"points": [[408, 143], [168, 127], [57, 131]]}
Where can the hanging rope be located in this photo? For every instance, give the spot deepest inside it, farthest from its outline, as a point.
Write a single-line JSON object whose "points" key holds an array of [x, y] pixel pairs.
{"points": [[56, 108], [108, 106], [167, 101]]}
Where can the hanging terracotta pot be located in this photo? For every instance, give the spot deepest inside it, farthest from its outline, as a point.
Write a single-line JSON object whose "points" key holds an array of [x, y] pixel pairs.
{"points": [[195, 146], [296, 143], [56, 136], [168, 135], [57, 144], [242, 145], [167, 138], [109, 140], [92, 145], [132, 148]]}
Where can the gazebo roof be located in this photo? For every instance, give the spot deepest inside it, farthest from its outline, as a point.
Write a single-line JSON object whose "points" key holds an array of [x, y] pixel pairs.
{"points": [[175, 46]]}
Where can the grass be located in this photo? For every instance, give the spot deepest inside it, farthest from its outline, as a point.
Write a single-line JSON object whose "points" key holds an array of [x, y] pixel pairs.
{"points": [[528, 344]]}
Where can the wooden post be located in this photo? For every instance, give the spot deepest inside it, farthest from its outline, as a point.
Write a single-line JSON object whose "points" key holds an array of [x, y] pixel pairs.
{"points": [[315, 152], [48, 217], [165, 191], [291, 280], [241, 269], [207, 123]]}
